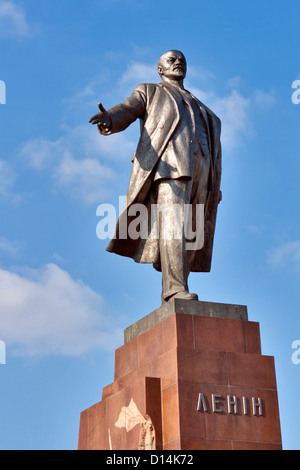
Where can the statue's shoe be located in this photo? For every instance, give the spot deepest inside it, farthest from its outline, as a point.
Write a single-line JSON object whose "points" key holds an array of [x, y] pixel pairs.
{"points": [[185, 296]]}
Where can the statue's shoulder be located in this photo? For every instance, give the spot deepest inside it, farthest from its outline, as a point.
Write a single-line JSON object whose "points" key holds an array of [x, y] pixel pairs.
{"points": [[147, 88], [149, 92]]}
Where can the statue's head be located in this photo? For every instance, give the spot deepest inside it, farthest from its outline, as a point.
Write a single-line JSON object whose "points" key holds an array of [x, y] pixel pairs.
{"points": [[172, 65]]}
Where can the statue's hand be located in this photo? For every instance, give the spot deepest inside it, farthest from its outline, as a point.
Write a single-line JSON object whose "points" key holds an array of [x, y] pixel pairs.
{"points": [[102, 119]]}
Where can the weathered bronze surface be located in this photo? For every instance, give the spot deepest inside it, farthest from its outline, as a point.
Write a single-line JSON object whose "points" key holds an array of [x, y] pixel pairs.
{"points": [[177, 163]]}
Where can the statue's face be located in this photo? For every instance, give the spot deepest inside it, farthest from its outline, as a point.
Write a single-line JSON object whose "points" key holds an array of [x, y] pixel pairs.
{"points": [[172, 65]]}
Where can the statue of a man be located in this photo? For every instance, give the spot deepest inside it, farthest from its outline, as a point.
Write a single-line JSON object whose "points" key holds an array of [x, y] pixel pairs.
{"points": [[177, 163]]}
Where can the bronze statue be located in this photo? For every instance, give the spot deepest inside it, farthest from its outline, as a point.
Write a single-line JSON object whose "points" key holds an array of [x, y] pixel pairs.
{"points": [[177, 163]]}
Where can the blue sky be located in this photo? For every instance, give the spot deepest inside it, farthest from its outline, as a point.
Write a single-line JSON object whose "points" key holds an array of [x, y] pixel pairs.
{"points": [[65, 301]]}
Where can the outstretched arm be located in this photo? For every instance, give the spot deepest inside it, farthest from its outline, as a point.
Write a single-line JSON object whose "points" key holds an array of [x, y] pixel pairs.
{"points": [[119, 117], [102, 120]]}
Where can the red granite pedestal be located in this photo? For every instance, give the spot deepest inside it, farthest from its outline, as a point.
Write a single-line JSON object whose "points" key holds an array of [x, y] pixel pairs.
{"points": [[189, 376]]}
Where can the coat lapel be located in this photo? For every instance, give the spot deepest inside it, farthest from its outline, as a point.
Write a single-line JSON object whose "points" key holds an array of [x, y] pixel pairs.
{"points": [[157, 129]]}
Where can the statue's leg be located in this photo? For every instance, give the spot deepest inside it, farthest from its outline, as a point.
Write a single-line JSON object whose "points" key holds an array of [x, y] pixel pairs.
{"points": [[172, 196]]}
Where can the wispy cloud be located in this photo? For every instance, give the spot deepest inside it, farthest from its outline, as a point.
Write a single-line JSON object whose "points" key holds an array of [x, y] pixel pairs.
{"points": [[7, 178], [138, 72], [9, 247], [235, 110], [79, 161], [13, 21], [287, 254], [264, 99], [86, 180], [41, 153], [46, 312], [8, 183]]}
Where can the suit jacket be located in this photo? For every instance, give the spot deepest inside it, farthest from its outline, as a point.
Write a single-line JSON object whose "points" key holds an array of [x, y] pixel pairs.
{"points": [[158, 108]]}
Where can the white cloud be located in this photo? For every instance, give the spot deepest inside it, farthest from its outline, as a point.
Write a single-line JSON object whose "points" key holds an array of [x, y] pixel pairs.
{"points": [[142, 72], [41, 153], [138, 72], [80, 96], [201, 74], [82, 140], [46, 312], [286, 254], [264, 99], [86, 180], [85, 139], [86, 98], [7, 178], [6, 246], [13, 20], [75, 160], [234, 82], [233, 110]]}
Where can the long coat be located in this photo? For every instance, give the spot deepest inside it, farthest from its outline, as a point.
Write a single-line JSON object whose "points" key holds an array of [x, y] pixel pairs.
{"points": [[158, 108]]}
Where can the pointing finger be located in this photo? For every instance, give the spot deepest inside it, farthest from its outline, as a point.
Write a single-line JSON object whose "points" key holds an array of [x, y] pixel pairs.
{"points": [[102, 109]]}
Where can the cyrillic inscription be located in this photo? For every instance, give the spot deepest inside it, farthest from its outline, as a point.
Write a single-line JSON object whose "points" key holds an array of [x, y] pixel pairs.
{"points": [[230, 404]]}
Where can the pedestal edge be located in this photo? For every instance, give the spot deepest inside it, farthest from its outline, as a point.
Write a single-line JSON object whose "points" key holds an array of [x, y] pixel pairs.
{"points": [[187, 307]]}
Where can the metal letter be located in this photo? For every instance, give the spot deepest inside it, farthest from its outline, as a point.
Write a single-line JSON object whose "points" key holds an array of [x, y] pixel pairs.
{"points": [[257, 404], [245, 407], [232, 401], [215, 402], [201, 403]]}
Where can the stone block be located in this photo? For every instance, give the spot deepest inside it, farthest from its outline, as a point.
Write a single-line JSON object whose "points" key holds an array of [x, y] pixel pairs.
{"points": [[192, 375]]}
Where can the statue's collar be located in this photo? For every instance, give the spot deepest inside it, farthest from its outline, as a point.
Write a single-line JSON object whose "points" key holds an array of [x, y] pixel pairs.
{"points": [[177, 92], [172, 87]]}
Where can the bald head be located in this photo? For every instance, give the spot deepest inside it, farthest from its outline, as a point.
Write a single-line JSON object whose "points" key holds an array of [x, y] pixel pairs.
{"points": [[170, 53], [172, 66]]}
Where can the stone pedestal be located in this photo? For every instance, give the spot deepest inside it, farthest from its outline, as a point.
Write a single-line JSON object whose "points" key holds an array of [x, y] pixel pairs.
{"points": [[189, 376]]}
